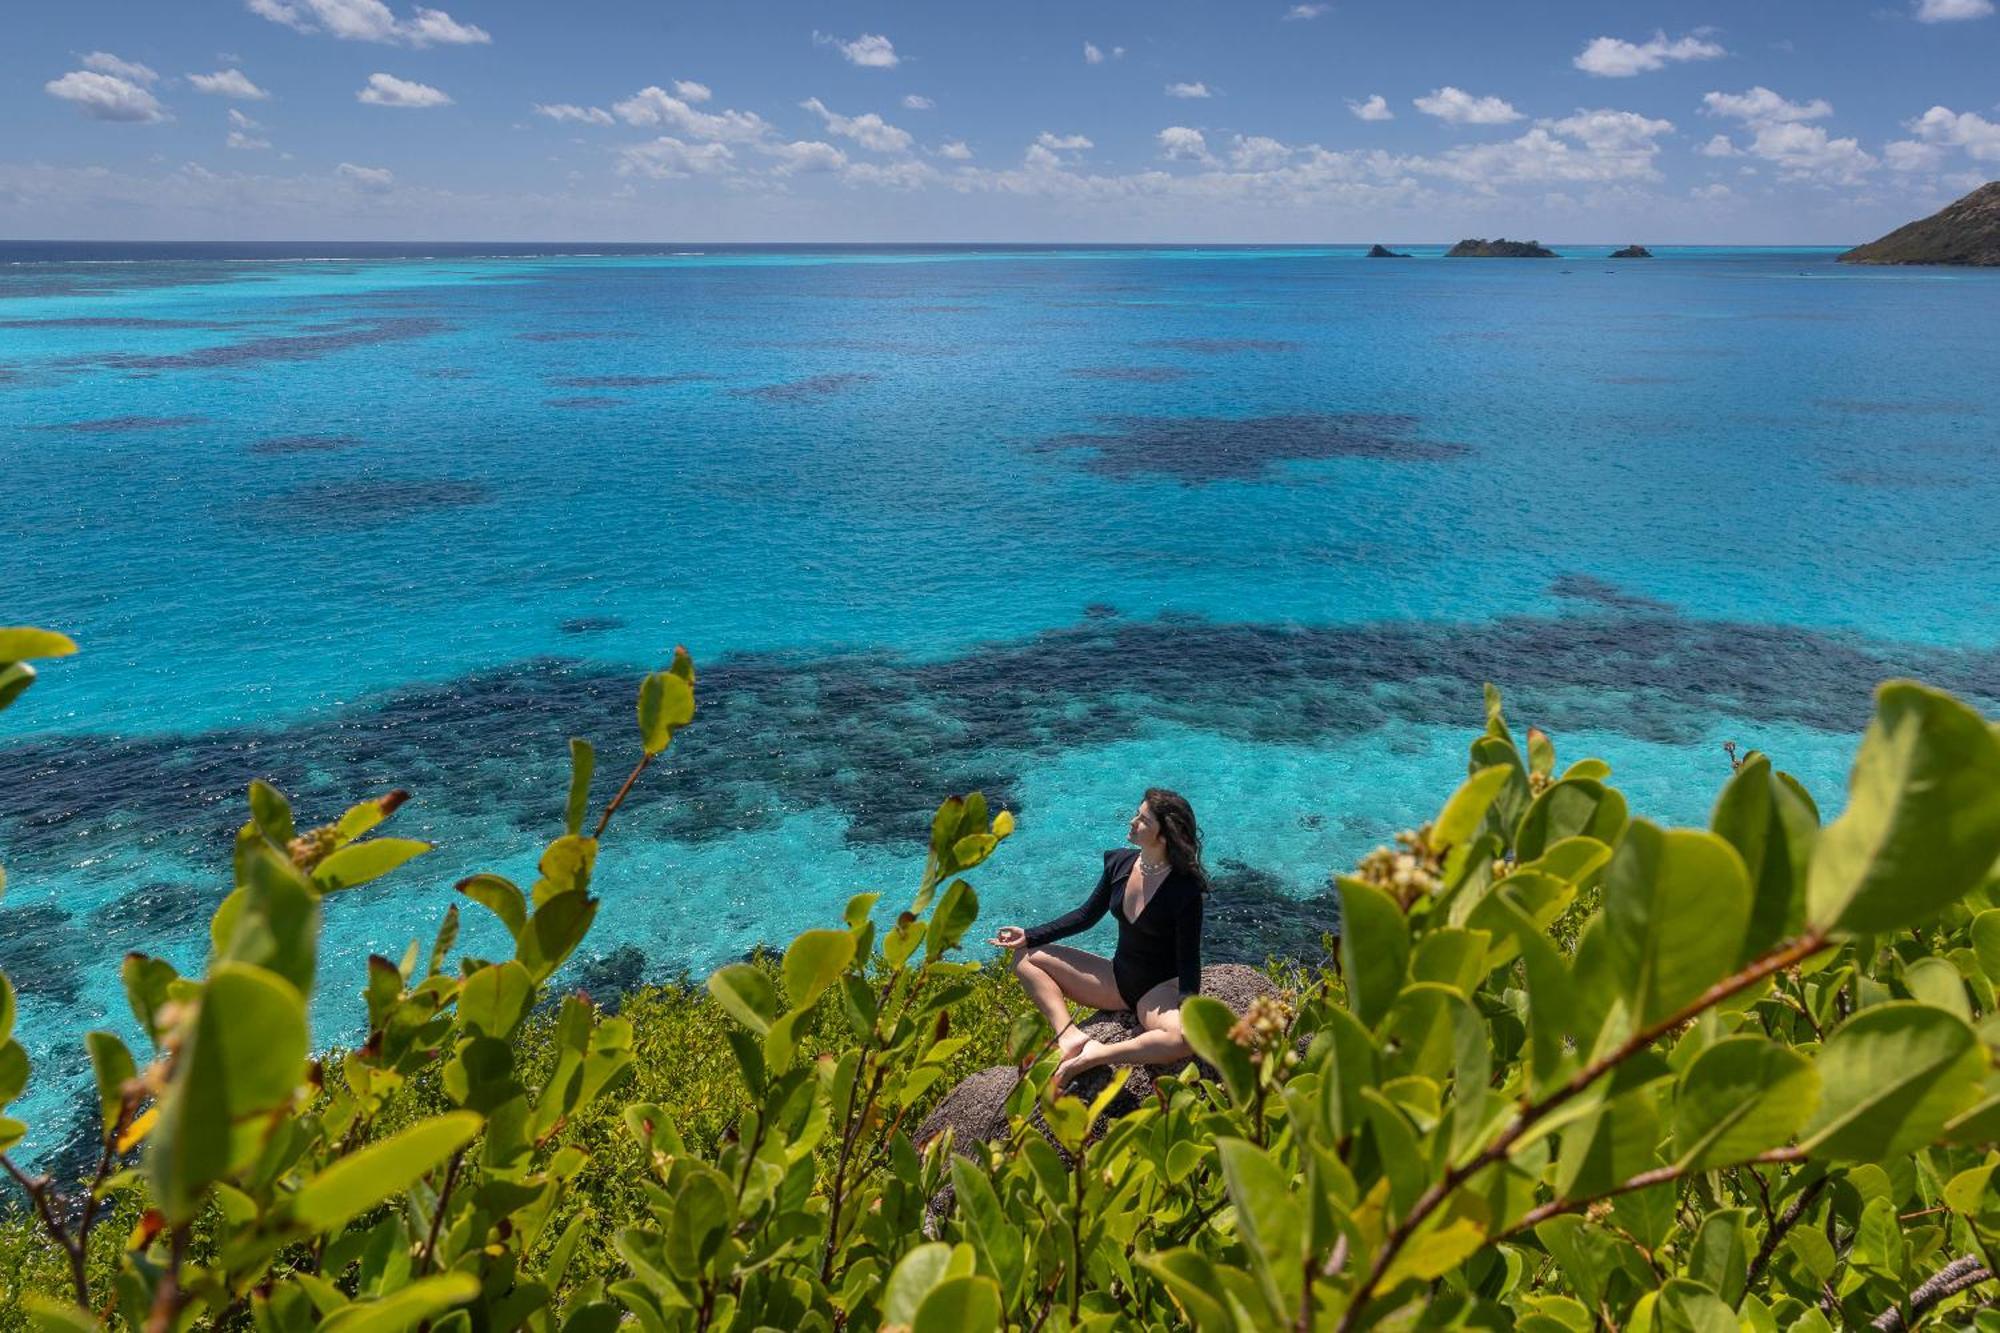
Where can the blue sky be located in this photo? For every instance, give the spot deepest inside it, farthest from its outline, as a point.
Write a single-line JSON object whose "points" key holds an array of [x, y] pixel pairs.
{"points": [[1826, 121]]}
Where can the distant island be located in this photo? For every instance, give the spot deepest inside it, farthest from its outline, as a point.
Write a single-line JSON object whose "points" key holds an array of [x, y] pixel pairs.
{"points": [[1500, 249], [1632, 252], [1966, 232], [1384, 252]]}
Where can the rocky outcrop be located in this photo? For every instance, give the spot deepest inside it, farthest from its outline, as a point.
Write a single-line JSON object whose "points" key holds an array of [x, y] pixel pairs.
{"points": [[1384, 252], [1632, 252], [1965, 232], [1500, 249]]}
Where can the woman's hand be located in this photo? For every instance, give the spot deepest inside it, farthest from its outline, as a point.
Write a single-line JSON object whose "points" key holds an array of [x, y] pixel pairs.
{"points": [[1010, 937]]}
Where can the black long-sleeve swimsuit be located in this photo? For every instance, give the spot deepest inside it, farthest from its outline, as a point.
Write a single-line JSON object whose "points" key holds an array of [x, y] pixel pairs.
{"points": [[1163, 941]]}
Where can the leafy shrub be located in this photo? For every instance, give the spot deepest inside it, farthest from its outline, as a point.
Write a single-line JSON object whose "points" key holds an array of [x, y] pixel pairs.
{"points": [[1569, 1069]]}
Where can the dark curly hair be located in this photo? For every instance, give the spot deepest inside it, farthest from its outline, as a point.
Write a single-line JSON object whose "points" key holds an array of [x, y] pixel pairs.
{"points": [[1183, 837]]}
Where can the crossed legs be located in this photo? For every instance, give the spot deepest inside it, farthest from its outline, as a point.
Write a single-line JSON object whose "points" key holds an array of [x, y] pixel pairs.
{"points": [[1054, 975]]}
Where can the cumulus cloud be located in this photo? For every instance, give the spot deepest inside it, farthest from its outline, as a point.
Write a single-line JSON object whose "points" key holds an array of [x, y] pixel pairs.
{"points": [[388, 90], [1951, 11], [871, 50], [243, 132], [1373, 107], [1188, 90], [656, 106], [690, 91], [1614, 58], [1063, 143], [1301, 13], [804, 156], [869, 130], [1180, 143], [1258, 152], [372, 179], [129, 70], [917, 102], [106, 97], [571, 113], [1593, 146], [1942, 126], [668, 158], [228, 83], [1760, 104], [956, 150], [1807, 152], [1092, 54], [370, 21], [1457, 107], [1908, 155], [1718, 146]]}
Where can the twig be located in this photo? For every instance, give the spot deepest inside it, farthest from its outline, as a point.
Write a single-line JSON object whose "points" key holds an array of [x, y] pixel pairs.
{"points": [[1429, 1201], [1960, 1274], [437, 1218], [39, 1192], [1786, 1221], [604, 820], [1659, 1175]]}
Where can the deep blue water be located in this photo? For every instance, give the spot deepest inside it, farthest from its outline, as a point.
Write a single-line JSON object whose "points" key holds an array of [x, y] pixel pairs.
{"points": [[1055, 523]]}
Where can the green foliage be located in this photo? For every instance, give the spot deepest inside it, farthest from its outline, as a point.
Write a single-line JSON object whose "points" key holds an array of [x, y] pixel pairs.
{"points": [[1569, 1069]]}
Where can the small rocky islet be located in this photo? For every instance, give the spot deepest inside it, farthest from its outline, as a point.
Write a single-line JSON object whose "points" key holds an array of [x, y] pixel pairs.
{"points": [[1965, 232], [1384, 252], [1632, 252], [1500, 249]]}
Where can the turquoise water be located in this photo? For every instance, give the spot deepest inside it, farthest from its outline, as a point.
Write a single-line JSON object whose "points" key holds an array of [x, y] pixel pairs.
{"points": [[1058, 524]]}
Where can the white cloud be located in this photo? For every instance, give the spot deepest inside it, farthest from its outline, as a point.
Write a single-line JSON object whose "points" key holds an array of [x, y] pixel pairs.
{"points": [[1458, 107], [1613, 58], [656, 106], [1188, 90], [1978, 136], [956, 150], [1714, 193], [1092, 54], [1600, 146], [106, 97], [569, 112], [1373, 107], [690, 91], [871, 50], [1950, 11], [1908, 155], [243, 132], [917, 102], [668, 158], [1300, 13], [1807, 152], [805, 155], [1719, 146], [1179, 143], [869, 130], [370, 21], [388, 90], [228, 83], [1258, 152], [1761, 105], [1063, 143], [373, 179], [129, 70]]}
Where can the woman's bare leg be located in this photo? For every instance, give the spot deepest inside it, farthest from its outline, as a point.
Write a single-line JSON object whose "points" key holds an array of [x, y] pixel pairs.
{"points": [[1159, 1042], [1055, 974]]}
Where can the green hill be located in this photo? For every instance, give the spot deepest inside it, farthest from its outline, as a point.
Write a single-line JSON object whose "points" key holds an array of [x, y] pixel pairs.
{"points": [[1966, 232]]}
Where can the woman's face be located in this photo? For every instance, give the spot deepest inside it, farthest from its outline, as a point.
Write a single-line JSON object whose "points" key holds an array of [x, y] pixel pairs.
{"points": [[1143, 828]]}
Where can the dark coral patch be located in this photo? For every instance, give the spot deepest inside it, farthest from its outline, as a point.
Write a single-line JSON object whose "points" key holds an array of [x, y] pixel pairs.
{"points": [[42, 952], [1868, 408], [120, 425], [1886, 479], [366, 502], [625, 381], [1132, 374], [1249, 917], [570, 336], [583, 401], [279, 347], [115, 322], [1207, 449], [1602, 592], [1222, 346], [813, 386], [591, 625], [280, 445]]}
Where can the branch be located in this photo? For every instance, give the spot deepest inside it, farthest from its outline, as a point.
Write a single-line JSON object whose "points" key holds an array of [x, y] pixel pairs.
{"points": [[38, 1191], [1958, 1275], [604, 820], [1524, 1120], [1786, 1221], [1659, 1175]]}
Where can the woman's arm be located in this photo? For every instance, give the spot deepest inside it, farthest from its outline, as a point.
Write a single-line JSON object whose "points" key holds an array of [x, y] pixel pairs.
{"points": [[1078, 921], [1187, 940]]}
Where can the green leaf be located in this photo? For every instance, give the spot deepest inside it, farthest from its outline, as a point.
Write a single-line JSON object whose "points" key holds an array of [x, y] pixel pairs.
{"points": [[500, 897], [1206, 1022], [1571, 808], [8, 1007], [1676, 904], [15, 678], [1922, 824], [746, 995], [959, 1305], [1609, 1146], [553, 933], [146, 985], [49, 1316], [112, 1065], [1466, 810], [1773, 831], [1986, 943], [359, 862], [814, 960], [271, 812], [18, 643], [1541, 752], [272, 920], [242, 1057], [1269, 1221], [1935, 981], [1374, 948], [405, 1308], [1967, 1194], [495, 999], [381, 1171], [953, 916], [699, 1223], [12, 1131], [915, 1274], [359, 819], [1890, 1078], [14, 1070], [1742, 1095], [582, 763], [666, 704]]}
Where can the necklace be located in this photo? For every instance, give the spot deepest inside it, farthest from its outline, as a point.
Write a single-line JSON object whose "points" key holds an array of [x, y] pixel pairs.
{"points": [[1150, 867]]}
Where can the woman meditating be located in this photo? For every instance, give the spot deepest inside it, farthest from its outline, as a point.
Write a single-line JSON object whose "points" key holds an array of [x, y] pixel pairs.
{"points": [[1155, 889]]}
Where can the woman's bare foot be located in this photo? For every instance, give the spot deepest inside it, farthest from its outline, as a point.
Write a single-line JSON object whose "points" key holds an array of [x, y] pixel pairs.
{"points": [[1071, 1040], [1090, 1055]]}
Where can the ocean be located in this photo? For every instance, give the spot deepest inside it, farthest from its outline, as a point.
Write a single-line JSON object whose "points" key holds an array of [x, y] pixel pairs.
{"points": [[1056, 524]]}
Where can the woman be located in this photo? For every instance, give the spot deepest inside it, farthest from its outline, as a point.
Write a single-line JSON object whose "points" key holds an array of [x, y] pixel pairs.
{"points": [[1155, 889]]}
